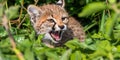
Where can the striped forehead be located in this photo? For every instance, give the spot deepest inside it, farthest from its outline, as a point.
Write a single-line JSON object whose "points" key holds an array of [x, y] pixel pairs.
{"points": [[54, 10]]}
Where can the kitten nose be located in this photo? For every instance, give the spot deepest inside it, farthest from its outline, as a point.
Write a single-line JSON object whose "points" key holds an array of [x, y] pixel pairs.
{"points": [[61, 26]]}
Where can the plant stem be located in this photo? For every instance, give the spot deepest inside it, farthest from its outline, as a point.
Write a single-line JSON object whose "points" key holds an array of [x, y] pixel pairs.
{"points": [[12, 40], [90, 26]]}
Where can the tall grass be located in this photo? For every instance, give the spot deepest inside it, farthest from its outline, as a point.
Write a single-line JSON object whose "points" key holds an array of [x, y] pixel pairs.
{"points": [[100, 19]]}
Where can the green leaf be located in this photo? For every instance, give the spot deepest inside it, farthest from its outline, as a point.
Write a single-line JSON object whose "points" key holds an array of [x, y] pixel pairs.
{"points": [[1, 10], [117, 27], [73, 44], [24, 44], [29, 54], [1, 56], [105, 45], [52, 55], [19, 38], [92, 8], [3, 33], [112, 1], [118, 48], [97, 53], [66, 55], [32, 35], [76, 56], [116, 34], [98, 35], [12, 12], [39, 39], [109, 25], [40, 52], [10, 57]]}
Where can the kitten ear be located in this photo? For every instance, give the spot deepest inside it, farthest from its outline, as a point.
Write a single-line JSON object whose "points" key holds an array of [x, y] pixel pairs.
{"points": [[33, 10], [61, 3]]}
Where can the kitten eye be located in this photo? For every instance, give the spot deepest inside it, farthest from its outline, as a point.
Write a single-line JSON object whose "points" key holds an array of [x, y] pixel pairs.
{"points": [[63, 18], [51, 20]]}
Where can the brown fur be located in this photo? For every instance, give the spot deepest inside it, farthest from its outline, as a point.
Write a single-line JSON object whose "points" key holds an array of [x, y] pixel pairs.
{"points": [[41, 23]]}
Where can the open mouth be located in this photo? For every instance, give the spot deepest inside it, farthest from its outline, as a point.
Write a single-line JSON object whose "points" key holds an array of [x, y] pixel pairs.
{"points": [[56, 35]]}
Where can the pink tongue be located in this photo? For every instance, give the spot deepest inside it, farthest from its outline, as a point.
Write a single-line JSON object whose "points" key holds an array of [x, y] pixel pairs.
{"points": [[56, 36]]}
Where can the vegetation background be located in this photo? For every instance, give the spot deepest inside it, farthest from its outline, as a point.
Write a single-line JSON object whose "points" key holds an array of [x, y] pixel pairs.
{"points": [[100, 19]]}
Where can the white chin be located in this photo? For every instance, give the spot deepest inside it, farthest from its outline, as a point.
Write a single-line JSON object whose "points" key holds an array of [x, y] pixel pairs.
{"points": [[54, 41]]}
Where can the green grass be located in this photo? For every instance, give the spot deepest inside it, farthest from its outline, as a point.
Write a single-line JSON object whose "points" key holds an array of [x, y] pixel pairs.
{"points": [[100, 19]]}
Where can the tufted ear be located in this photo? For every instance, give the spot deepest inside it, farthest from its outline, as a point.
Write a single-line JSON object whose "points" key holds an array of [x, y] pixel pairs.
{"points": [[33, 10], [34, 13], [61, 3]]}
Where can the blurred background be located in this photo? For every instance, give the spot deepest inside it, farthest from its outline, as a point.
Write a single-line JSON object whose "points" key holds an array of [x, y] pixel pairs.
{"points": [[100, 19]]}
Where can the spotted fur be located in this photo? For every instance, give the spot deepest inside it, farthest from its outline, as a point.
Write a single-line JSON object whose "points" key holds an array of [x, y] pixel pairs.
{"points": [[51, 17]]}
